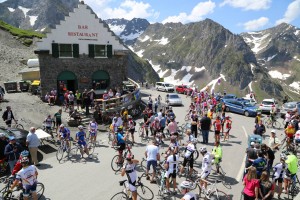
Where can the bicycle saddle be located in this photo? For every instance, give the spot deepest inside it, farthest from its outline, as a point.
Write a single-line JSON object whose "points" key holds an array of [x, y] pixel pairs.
{"points": [[122, 182]]}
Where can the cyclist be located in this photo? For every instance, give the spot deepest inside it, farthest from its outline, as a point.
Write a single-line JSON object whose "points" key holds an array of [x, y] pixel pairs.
{"points": [[171, 167], [206, 167], [18, 165], [188, 157], [121, 142], [131, 127], [218, 126], [260, 163], [57, 117], [292, 168], [64, 135], [217, 152], [48, 124], [80, 138], [228, 124], [279, 173], [289, 131], [186, 188], [93, 127], [28, 177], [273, 113], [129, 170]]}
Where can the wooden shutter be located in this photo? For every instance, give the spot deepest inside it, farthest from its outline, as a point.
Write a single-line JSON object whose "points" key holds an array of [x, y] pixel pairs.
{"points": [[75, 50], [109, 51], [55, 50], [91, 50]]}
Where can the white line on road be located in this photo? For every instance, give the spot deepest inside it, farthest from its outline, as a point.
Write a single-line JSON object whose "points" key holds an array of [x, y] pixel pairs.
{"points": [[241, 171]]}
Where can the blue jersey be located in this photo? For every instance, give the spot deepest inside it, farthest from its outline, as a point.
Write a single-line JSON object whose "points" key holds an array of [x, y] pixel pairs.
{"points": [[65, 133], [80, 135], [120, 139], [259, 164]]}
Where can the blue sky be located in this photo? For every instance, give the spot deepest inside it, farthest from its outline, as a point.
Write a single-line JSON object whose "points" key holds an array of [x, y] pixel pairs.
{"points": [[236, 15]]}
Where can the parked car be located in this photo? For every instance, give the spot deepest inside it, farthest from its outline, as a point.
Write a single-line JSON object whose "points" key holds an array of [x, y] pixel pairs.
{"points": [[19, 134], [183, 89], [248, 100], [174, 99], [289, 106], [166, 87], [266, 105], [128, 86], [228, 96], [233, 105]]}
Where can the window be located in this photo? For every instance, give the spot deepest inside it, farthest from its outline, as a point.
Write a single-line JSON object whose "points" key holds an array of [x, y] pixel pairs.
{"points": [[65, 50], [100, 51]]}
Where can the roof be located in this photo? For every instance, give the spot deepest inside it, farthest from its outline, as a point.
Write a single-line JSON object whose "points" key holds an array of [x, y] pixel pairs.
{"points": [[32, 69]]}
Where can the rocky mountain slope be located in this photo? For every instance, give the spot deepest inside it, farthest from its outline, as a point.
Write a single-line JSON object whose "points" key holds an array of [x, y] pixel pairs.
{"points": [[35, 14], [200, 53], [278, 50]]}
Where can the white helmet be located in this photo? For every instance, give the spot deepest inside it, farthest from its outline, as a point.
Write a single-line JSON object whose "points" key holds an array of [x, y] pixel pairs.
{"points": [[203, 149], [62, 126], [185, 185]]}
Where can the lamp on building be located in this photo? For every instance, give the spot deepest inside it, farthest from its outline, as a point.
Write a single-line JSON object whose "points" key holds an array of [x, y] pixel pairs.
{"points": [[107, 42]]}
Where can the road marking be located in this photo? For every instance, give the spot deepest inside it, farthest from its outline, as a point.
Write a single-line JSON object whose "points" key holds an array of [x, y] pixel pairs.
{"points": [[241, 171]]}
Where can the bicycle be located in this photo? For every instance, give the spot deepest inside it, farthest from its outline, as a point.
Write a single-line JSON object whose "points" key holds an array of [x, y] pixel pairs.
{"points": [[213, 192], [272, 123], [62, 149], [17, 193], [222, 174], [116, 165], [144, 192], [141, 132], [293, 188], [17, 125]]}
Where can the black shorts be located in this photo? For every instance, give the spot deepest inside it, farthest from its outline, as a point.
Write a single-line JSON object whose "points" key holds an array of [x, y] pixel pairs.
{"points": [[132, 131], [279, 180], [217, 132], [121, 147], [190, 160], [58, 122], [78, 101], [172, 175], [8, 122], [71, 103]]}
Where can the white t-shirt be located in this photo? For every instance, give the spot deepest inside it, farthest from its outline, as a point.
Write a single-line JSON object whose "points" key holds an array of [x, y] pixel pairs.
{"points": [[173, 163], [273, 141], [152, 152], [206, 162], [189, 196], [48, 122], [279, 170], [287, 117], [159, 115], [71, 97], [27, 176], [190, 148], [119, 122]]}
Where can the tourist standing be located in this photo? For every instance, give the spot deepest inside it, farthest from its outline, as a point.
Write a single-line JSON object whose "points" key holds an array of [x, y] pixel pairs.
{"points": [[205, 124], [8, 116], [78, 99], [12, 152], [152, 156], [33, 142]]}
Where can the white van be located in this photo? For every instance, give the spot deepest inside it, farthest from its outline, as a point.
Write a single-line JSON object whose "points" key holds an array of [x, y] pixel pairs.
{"points": [[166, 87]]}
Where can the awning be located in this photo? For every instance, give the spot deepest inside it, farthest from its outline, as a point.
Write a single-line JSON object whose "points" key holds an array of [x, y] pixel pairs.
{"points": [[100, 75], [36, 83]]}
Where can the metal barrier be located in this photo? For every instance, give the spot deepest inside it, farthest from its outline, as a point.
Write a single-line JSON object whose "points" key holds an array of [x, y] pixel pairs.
{"points": [[126, 101]]}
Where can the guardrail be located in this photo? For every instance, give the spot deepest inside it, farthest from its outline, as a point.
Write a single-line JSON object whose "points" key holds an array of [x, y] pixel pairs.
{"points": [[126, 101]]}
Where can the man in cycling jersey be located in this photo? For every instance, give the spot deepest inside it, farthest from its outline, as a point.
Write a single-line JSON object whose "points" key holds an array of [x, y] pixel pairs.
{"points": [[64, 134], [80, 138], [206, 166], [121, 142], [171, 167], [218, 126], [48, 124], [279, 173], [188, 157], [292, 169], [18, 165], [185, 189], [28, 176], [217, 152], [129, 170], [93, 127]]}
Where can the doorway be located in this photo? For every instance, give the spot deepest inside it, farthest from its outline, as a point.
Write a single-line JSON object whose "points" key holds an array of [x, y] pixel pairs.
{"points": [[66, 80]]}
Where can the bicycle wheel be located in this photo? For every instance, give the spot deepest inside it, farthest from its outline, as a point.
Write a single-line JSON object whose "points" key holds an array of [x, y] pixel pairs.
{"points": [[40, 190], [276, 125], [91, 147], [73, 152], [196, 189], [20, 126], [59, 153], [119, 196], [196, 155], [7, 195], [223, 178], [144, 192], [115, 165], [268, 123], [218, 195]]}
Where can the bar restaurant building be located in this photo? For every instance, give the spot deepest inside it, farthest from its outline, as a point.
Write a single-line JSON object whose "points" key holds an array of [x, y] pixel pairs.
{"points": [[81, 53]]}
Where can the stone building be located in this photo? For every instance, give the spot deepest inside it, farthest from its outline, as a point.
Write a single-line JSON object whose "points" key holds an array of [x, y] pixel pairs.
{"points": [[81, 53]]}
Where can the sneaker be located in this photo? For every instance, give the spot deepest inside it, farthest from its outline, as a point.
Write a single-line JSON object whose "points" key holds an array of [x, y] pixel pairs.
{"points": [[153, 181], [284, 191]]}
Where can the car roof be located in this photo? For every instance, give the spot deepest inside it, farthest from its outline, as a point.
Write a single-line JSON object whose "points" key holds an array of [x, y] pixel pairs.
{"points": [[271, 100], [173, 94]]}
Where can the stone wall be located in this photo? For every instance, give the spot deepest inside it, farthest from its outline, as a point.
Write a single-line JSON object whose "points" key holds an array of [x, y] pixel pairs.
{"points": [[82, 67]]}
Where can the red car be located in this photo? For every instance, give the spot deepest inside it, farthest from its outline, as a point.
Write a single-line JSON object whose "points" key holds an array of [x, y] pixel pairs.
{"points": [[183, 89]]}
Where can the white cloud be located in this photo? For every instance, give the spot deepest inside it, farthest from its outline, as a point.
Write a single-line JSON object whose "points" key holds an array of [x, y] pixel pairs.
{"points": [[292, 12], [200, 10], [248, 4], [255, 24], [127, 9]]}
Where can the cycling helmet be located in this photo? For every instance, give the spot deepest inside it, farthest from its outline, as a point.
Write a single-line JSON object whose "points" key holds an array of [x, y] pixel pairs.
{"points": [[171, 117], [115, 118], [24, 160], [273, 131], [283, 156], [129, 117], [25, 153], [185, 185], [129, 157], [120, 127], [62, 126], [203, 149], [80, 127], [156, 119]]}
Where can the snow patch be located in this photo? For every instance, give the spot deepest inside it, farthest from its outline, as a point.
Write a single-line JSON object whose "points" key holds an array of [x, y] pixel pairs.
{"points": [[252, 68], [43, 29], [250, 86], [271, 57], [278, 75], [25, 10], [297, 32], [163, 41], [187, 68], [213, 83], [185, 80], [295, 85], [32, 19], [140, 53], [155, 67], [197, 69], [257, 41], [225, 46], [144, 39], [163, 54], [117, 29], [131, 36], [162, 73], [295, 57], [11, 9]]}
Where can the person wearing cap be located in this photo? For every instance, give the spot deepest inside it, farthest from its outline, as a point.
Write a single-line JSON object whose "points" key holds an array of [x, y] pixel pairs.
{"points": [[260, 163], [218, 126], [129, 168], [274, 142], [93, 128], [257, 118], [206, 166], [217, 152], [289, 132], [124, 115], [33, 142], [48, 124], [171, 167], [12, 152], [3, 143], [185, 189], [80, 138], [64, 135], [71, 99]]}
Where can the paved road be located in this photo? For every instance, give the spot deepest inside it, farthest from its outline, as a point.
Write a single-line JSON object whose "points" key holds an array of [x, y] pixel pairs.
{"points": [[90, 179]]}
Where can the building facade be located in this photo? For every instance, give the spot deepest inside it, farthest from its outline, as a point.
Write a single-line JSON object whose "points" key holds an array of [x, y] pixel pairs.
{"points": [[81, 53]]}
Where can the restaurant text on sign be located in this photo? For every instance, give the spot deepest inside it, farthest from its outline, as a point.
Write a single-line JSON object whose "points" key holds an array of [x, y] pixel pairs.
{"points": [[82, 34]]}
